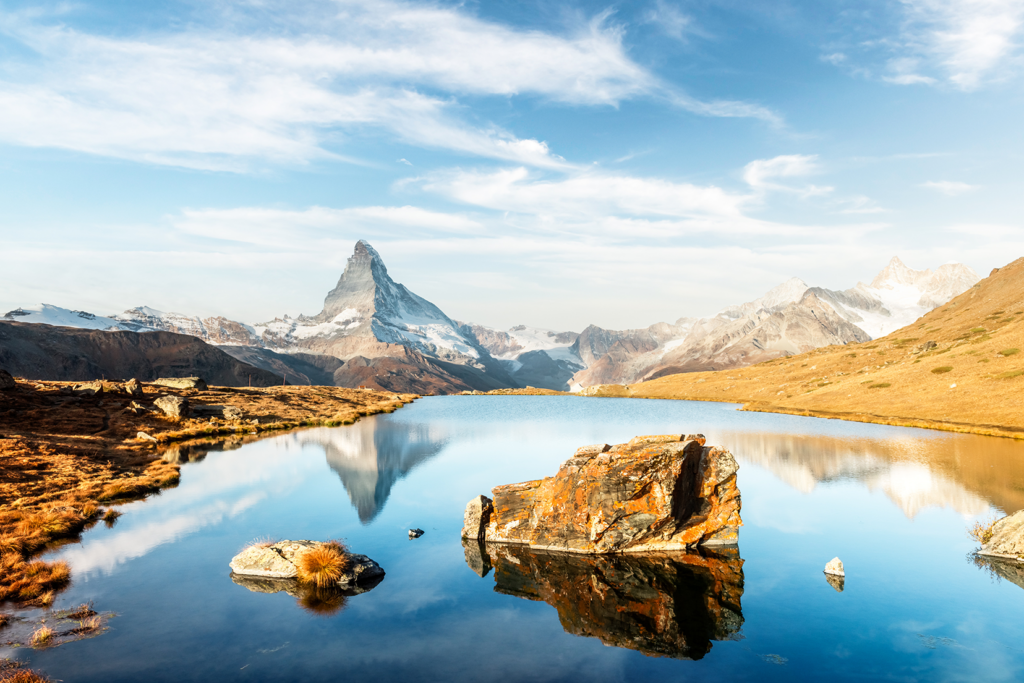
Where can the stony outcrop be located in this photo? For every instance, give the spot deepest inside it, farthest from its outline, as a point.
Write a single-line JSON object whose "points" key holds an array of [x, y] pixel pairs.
{"points": [[173, 406], [277, 561], [223, 412], [197, 383], [654, 493], [6, 381], [1007, 539], [660, 604]]}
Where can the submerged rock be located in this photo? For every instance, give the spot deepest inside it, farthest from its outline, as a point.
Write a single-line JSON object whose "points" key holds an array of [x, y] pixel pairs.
{"points": [[660, 604], [1007, 539], [836, 581], [654, 493], [277, 561], [835, 567]]}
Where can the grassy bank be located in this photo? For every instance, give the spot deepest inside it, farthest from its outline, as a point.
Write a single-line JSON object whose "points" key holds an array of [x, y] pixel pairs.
{"points": [[67, 459]]}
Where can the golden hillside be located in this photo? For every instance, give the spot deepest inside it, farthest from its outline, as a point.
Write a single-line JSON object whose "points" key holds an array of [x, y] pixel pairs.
{"points": [[958, 368]]}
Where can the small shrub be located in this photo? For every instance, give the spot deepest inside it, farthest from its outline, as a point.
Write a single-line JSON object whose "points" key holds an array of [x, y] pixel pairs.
{"points": [[323, 565], [881, 385], [110, 516], [981, 531], [43, 636], [942, 369], [1009, 352]]}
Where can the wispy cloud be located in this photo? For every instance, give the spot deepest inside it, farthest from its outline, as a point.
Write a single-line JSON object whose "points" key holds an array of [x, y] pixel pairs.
{"points": [[950, 188], [963, 42], [765, 174], [669, 18], [236, 92]]}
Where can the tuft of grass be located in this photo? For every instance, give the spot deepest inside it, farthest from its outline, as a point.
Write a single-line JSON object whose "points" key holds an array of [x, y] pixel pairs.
{"points": [[110, 517], [323, 565], [880, 385], [260, 542], [977, 330], [43, 636], [89, 625], [83, 611], [1011, 374], [981, 531], [942, 369], [1009, 352], [11, 672]]}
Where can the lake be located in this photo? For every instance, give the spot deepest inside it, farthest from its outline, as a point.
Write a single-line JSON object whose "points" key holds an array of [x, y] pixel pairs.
{"points": [[893, 503]]}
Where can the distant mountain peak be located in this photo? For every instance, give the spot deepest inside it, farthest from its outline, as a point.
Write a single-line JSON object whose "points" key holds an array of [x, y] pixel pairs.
{"points": [[897, 273]]}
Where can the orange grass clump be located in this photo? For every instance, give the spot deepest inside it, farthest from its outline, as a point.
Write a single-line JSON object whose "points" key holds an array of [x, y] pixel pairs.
{"points": [[42, 637], [323, 565], [11, 672]]}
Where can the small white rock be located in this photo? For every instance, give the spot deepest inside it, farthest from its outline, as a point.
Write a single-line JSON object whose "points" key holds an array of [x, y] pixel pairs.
{"points": [[835, 566], [953, 385]]}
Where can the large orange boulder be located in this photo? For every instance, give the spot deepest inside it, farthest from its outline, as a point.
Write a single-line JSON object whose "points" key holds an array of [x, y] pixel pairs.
{"points": [[654, 493]]}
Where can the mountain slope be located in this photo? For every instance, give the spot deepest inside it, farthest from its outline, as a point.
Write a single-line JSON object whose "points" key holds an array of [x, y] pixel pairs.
{"points": [[960, 367], [791, 318], [48, 352], [532, 356]]}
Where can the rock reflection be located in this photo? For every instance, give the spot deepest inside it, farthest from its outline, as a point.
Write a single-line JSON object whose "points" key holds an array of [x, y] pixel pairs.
{"points": [[1001, 568], [323, 602], [372, 455], [837, 582], [663, 605], [959, 472]]}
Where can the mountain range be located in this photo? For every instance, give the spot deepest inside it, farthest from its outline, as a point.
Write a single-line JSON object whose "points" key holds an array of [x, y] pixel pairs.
{"points": [[377, 333]]}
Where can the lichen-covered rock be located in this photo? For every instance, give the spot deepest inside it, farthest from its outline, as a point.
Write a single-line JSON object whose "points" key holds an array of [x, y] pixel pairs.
{"points": [[661, 604], [1007, 538], [654, 493], [277, 561], [182, 383], [173, 406]]}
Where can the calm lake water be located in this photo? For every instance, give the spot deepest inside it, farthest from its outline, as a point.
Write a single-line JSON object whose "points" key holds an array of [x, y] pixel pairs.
{"points": [[893, 503]]}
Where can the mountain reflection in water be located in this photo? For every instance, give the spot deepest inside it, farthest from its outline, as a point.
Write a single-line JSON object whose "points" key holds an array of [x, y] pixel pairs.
{"points": [[372, 455], [962, 473], [660, 604]]}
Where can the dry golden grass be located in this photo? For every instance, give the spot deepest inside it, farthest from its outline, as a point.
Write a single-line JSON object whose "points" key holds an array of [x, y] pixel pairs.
{"points": [[323, 565], [60, 456], [981, 531], [88, 625], [967, 383], [43, 636], [83, 611]]}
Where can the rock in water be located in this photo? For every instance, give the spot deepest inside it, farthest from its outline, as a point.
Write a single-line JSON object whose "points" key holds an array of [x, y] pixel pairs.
{"points": [[1007, 538], [653, 493], [6, 381], [415, 533], [182, 383], [835, 567], [174, 406], [277, 561]]}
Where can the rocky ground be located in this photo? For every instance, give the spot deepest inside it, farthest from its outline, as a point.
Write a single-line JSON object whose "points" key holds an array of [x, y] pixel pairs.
{"points": [[68, 453]]}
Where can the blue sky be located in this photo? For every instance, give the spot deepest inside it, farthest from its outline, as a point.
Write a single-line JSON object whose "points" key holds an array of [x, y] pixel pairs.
{"points": [[554, 164]]}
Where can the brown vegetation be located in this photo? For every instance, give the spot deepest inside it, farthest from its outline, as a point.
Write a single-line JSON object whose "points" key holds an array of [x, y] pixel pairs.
{"points": [[12, 672], [63, 455], [323, 565], [982, 531], [42, 637], [949, 370]]}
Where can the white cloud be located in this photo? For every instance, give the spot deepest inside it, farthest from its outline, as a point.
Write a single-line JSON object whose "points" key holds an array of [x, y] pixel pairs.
{"points": [[669, 18], [236, 92], [762, 174], [966, 41], [950, 188]]}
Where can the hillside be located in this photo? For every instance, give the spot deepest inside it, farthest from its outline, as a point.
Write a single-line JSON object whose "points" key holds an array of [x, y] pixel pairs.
{"points": [[959, 368], [72, 354]]}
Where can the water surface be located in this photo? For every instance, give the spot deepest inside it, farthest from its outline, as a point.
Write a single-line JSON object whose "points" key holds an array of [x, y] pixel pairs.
{"points": [[892, 502]]}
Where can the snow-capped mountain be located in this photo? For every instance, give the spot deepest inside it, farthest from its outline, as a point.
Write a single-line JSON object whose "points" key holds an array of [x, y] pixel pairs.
{"points": [[533, 356], [791, 318], [367, 305]]}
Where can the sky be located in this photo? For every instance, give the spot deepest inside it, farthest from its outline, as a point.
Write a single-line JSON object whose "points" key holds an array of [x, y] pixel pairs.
{"points": [[547, 163]]}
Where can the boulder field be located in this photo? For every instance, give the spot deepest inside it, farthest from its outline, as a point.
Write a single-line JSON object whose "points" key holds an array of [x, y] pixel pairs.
{"points": [[655, 493]]}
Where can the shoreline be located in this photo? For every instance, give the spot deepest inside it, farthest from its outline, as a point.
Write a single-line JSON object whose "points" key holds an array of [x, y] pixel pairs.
{"points": [[70, 453]]}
